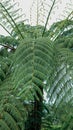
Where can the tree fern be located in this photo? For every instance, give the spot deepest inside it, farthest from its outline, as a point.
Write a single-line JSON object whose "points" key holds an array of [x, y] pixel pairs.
{"points": [[37, 64]]}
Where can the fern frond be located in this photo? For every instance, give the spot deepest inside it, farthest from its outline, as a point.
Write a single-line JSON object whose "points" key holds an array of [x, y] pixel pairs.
{"points": [[12, 115], [37, 13], [33, 57], [48, 16], [8, 16], [13, 111], [68, 124], [63, 83], [58, 29], [3, 125], [10, 121]]}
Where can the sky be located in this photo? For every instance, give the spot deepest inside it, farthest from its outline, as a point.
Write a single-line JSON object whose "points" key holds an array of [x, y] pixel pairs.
{"points": [[60, 10]]}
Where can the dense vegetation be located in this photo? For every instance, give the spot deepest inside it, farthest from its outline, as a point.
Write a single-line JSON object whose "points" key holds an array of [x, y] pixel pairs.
{"points": [[34, 61]]}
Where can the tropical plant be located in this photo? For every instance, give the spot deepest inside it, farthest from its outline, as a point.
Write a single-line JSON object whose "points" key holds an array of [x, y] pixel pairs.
{"points": [[34, 61]]}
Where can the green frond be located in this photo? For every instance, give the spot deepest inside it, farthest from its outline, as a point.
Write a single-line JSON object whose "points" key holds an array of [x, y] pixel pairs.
{"points": [[48, 16], [68, 124], [13, 111], [61, 79], [12, 115], [3, 125], [10, 121], [61, 28], [8, 16], [4, 64], [29, 56]]}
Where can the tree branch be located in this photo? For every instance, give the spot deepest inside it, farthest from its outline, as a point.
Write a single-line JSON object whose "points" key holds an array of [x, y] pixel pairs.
{"points": [[8, 47]]}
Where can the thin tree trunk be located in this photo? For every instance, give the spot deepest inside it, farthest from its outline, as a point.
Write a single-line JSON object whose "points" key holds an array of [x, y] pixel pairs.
{"points": [[35, 117]]}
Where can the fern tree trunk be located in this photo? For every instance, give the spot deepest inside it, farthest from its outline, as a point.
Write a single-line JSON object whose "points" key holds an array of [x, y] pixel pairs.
{"points": [[35, 117]]}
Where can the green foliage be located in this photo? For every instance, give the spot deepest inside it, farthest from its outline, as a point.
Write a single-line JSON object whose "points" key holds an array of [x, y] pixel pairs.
{"points": [[31, 64], [35, 59], [28, 31], [11, 115], [8, 16]]}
